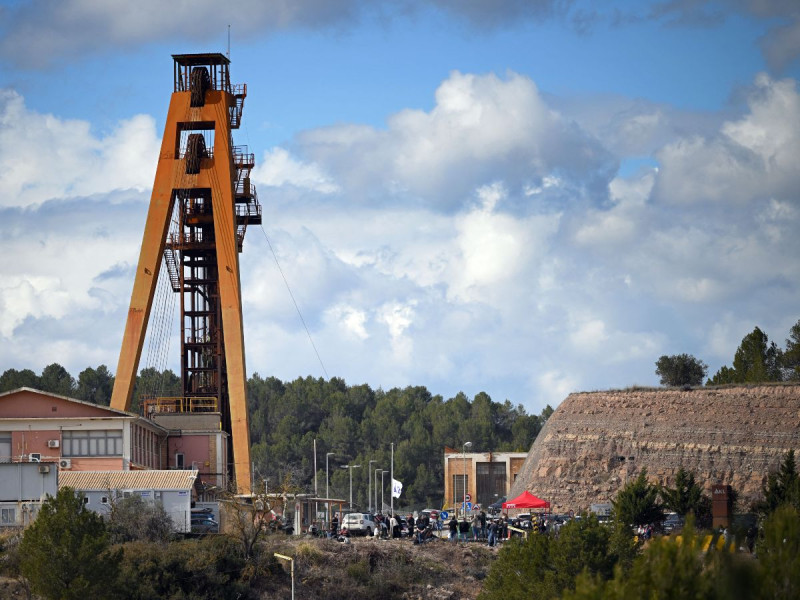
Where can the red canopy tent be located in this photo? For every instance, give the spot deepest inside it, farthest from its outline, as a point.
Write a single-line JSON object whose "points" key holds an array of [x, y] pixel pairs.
{"points": [[526, 500]]}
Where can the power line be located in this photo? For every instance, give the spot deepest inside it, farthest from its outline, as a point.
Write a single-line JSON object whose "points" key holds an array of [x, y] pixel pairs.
{"points": [[297, 308]]}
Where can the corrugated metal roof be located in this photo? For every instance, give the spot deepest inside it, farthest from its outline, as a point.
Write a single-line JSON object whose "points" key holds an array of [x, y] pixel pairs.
{"points": [[173, 479]]}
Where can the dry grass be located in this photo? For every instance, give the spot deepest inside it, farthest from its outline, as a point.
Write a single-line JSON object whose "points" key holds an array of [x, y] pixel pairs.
{"points": [[368, 569]]}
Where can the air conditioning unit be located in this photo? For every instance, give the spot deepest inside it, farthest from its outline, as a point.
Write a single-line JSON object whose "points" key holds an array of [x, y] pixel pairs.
{"points": [[53, 443], [65, 463], [34, 457], [44, 469]]}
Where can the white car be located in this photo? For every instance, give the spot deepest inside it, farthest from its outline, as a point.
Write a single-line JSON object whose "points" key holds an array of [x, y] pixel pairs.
{"points": [[359, 523]]}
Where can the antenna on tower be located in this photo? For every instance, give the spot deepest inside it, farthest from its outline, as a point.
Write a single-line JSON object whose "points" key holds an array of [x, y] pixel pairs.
{"points": [[229, 41]]}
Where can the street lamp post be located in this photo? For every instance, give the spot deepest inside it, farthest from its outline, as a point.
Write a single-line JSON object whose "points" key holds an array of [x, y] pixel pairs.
{"points": [[377, 508], [351, 467], [327, 493], [383, 472], [369, 485], [291, 562], [464, 506]]}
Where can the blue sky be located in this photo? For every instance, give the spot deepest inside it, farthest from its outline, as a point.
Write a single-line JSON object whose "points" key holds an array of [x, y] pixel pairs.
{"points": [[523, 198]]}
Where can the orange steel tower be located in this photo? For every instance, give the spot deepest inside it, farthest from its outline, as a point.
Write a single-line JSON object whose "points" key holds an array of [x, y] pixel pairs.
{"points": [[202, 187]]}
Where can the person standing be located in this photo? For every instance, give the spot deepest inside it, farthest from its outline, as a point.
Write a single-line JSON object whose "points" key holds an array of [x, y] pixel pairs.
{"points": [[476, 527], [334, 529], [453, 526], [482, 517], [492, 533], [463, 529], [394, 527], [411, 526]]}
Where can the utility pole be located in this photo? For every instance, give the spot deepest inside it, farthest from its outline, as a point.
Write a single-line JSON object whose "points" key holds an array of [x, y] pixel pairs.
{"points": [[464, 506], [383, 502], [316, 493], [327, 492], [369, 485], [377, 508], [351, 467], [391, 498]]}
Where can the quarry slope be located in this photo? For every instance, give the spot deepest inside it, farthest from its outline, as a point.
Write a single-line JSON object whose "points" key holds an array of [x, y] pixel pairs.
{"points": [[597, 441]]}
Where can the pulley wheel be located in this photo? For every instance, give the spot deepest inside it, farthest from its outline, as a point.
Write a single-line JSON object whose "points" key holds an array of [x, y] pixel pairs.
{"points": [[199, 83], [195, 152]]}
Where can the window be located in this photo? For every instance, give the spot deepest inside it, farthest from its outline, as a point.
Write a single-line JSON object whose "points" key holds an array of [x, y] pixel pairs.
{"points": [[92, 443], [5, 446], [8, 516], [179, 460], [491, 482], [104, 500], [86, 499], [460, 483]]}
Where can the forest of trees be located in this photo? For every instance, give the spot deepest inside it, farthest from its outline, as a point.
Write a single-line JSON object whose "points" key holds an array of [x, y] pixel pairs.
{"points": [[356, 423]]}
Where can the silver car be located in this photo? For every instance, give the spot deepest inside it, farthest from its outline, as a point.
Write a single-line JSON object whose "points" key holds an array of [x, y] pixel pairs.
{"points": [[359, 523]]}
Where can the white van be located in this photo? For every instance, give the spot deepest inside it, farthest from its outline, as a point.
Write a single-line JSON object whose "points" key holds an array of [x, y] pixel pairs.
{"points": [[359, 523]]}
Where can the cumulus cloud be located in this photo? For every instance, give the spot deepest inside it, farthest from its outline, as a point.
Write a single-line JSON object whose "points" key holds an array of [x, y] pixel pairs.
{"points": [[752, 157], [532, 275], [279, 168], [71, 275], [43, 157], [484, 242], [483, 128]]}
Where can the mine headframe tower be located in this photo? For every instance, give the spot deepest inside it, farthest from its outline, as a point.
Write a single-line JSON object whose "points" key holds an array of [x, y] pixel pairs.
{"points": [[201, 205]]}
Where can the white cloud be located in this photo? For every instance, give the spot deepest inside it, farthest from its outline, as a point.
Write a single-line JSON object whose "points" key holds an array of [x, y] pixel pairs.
{"points": [[281, 168], [351, 319], [43, 157], [556, 386], [481, 245], [482, 129], [751, 158]]}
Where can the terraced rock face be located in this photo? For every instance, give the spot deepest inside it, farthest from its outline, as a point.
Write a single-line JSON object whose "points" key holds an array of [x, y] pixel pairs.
{"points": [[595, 442]]}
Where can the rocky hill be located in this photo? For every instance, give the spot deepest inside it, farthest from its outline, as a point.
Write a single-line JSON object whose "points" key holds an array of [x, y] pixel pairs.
{"points": [[595, 442]]}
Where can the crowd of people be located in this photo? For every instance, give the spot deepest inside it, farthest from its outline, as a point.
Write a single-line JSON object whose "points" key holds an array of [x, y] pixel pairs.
{"points": [[479, 527]]}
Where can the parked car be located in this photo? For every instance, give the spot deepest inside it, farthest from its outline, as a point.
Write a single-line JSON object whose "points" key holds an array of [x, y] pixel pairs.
{"points": [[431, 513], [204, 523], [673, 522], [359, 523]]}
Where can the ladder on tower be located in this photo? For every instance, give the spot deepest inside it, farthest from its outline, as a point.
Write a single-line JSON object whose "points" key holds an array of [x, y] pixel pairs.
{"points": [[172, 269]]}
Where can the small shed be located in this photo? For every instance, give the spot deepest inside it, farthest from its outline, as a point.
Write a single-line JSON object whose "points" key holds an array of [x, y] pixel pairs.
{"points": [[172, 489]]}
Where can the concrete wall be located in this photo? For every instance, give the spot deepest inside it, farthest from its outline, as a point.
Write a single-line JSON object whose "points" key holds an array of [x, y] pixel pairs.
{"points": [[204, 451], [177, 503], [24, 482]]}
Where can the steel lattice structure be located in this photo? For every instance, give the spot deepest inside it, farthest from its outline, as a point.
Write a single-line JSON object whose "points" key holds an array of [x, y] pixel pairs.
{"points": [[202, 187]]}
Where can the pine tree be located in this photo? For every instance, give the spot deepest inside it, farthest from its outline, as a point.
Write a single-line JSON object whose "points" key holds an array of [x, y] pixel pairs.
{"points": [[637, 503], [65, 553]]}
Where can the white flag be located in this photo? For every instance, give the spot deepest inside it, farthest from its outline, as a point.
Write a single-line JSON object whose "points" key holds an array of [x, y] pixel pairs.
{"points": [[397, 488]]}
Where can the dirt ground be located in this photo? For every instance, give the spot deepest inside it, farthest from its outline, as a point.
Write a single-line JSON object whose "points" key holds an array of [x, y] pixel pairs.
{"points": [[369, 569]]}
